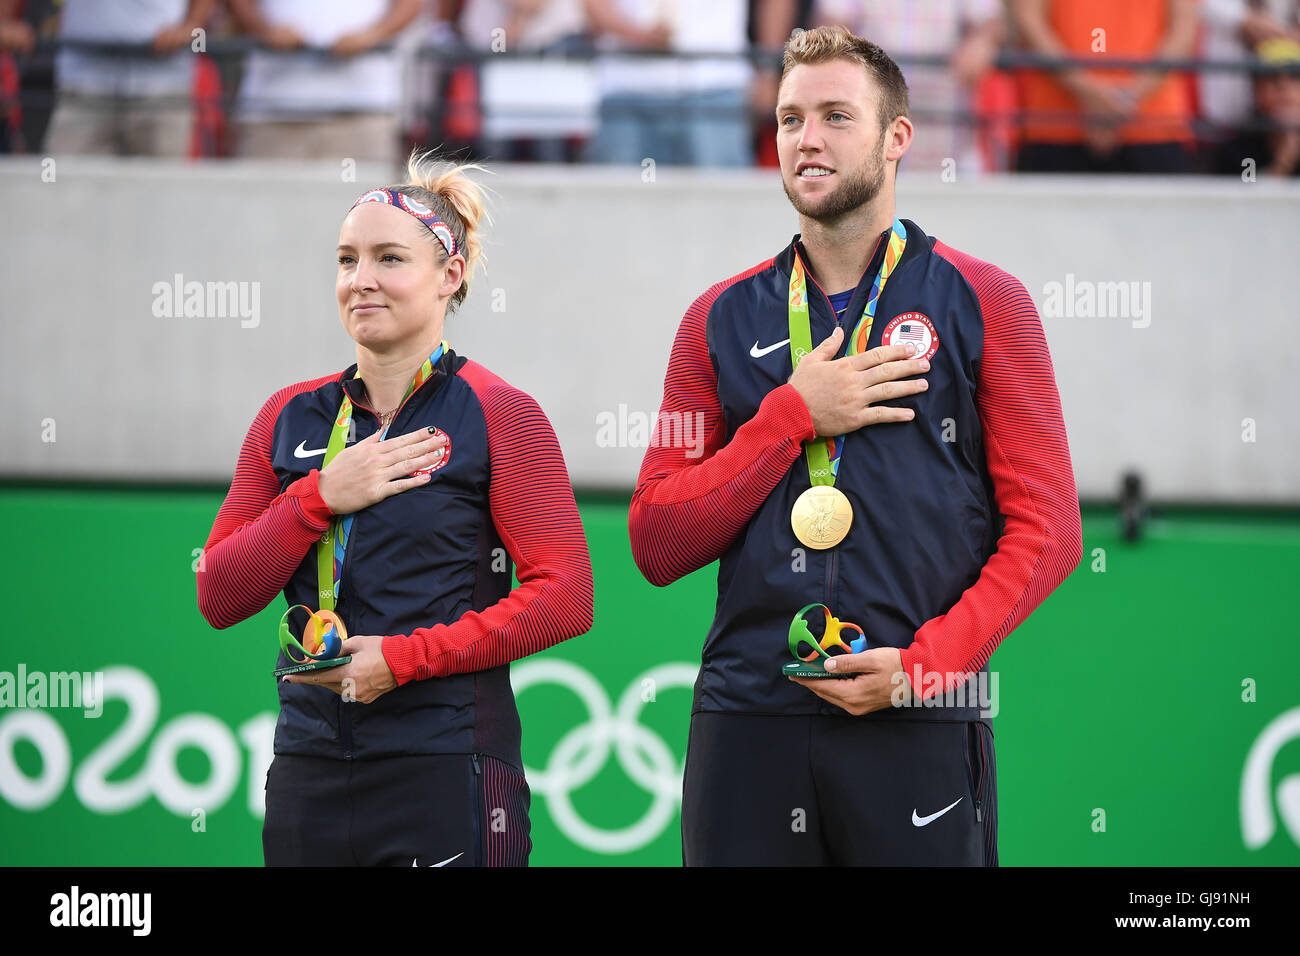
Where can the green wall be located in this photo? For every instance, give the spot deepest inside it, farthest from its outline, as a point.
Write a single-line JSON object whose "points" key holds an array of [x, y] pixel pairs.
{"points": [[1123, 694]]}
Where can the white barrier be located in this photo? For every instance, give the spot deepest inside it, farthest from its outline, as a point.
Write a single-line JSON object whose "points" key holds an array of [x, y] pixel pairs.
{"points": [[589, 272]]}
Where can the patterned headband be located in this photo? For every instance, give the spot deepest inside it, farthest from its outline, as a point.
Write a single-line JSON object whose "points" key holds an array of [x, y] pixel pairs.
{"points": [[391, 197]]}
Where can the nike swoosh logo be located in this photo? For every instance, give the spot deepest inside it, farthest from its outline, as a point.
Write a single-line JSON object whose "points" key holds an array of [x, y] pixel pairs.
{"points": [[450, 859], [302, 451], [922, 821], [756, 352]]}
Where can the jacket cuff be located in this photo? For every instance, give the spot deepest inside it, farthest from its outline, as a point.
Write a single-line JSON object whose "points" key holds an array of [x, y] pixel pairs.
{"points": [[788, 413], [915, 666], [400, 654], [311, 505], [928, 676]]}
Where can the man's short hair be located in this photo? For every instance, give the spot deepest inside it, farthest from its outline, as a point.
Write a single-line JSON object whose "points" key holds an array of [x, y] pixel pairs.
{"points": [[835, 42]]}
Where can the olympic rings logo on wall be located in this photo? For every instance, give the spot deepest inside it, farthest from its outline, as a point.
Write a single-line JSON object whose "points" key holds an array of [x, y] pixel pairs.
{"points": [[584, 751], [577, 758], [1258, 796]]}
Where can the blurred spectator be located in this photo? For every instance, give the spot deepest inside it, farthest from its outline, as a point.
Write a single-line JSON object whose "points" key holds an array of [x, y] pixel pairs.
{"points": [[531, 109], [16, 37], [424, 101], [15, 32], [770, 25], [966, 32], [322, 90], [526, 26], [691, 110], [1106, 120], [1231, 31], [137, 105], [30, 89], [1275, 151]]}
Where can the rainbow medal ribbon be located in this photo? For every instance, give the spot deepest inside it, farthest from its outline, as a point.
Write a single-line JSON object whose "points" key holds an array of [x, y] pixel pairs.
{"points": [[811, 665], [821, 516], [324, 633]]}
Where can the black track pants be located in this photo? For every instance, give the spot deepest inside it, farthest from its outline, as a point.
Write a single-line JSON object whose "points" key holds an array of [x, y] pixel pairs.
{"points": [[822, 790], [441, 810]]}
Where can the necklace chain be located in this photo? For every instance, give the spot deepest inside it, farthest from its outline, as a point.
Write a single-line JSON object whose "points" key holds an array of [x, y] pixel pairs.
{"points": [[384, 417]]}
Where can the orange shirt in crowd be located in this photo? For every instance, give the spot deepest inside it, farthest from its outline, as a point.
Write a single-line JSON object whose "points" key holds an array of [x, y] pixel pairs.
{"points": [[1134, 30]]}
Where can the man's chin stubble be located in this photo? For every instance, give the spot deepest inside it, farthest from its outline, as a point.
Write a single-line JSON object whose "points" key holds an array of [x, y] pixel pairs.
{"points": [[848, 198]]}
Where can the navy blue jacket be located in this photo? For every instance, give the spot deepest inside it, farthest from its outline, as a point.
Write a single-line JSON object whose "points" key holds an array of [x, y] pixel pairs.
{"points": [[965, 518], [428, 568]]}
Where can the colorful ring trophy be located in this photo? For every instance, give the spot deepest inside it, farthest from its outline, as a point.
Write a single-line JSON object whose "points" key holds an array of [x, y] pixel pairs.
{"points": [[811, 665], [321, 645]]}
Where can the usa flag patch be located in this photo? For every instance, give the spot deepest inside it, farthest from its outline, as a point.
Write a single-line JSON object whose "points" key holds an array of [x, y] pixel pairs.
{"points": [[913, 327]]}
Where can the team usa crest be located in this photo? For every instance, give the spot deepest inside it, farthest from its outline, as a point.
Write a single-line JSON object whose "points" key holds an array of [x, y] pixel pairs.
{"points": [[913, 327], [446, 454]]}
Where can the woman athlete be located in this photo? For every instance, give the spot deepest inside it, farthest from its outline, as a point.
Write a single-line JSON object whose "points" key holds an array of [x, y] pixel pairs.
{"points": [[399, 493]]}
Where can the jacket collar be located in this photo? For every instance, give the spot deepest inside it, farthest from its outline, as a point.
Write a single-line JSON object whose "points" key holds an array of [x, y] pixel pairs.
{"points": [[918, 243], [443, 369]]}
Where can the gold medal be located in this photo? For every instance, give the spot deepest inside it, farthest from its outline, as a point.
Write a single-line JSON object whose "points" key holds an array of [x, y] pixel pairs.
{"points": [[821, 517]]}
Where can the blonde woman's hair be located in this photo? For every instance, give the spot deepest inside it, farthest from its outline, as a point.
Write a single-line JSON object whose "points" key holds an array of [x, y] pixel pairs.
{"points": [[458, 201], [835, 42]]}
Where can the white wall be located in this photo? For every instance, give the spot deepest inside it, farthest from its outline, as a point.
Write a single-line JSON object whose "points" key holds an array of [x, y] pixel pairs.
{"points": [[595, 268]]}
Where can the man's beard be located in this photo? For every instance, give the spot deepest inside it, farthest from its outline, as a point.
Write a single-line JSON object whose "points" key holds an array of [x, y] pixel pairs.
{"points": [[851, 194]]}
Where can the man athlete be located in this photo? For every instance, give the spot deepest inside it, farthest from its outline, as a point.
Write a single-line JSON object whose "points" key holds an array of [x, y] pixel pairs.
{"points": [[939, 514]]}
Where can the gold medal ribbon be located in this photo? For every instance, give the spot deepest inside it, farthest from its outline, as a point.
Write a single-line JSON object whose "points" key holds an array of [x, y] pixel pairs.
{"points": [[822, 514]]}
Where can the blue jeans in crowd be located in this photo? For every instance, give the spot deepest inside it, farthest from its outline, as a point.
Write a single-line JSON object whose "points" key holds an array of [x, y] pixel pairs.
{"points": [[695, 129]]}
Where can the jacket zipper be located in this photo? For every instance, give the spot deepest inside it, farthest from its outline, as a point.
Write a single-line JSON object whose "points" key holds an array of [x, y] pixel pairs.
{"points": [[830, 577], [970, 773], [345, 721], [345, 718], [476, 794], [833, 556], [833, 559]]}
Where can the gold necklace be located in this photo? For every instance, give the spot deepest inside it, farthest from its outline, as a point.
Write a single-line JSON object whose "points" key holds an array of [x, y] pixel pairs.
{"points": [[384, 417]]}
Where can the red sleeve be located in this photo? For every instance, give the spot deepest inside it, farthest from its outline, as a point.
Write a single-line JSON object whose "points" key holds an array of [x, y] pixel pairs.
{"points": [[1033, 482], [691, 502], [260, 535], [532, 506]]}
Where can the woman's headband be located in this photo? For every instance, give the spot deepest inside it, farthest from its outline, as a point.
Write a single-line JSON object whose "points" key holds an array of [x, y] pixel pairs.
{"points": [[391, 197]]}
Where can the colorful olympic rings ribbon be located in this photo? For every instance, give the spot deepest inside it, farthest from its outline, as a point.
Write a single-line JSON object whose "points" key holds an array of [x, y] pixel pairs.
{"points": [[800, 634], [322, 638]]}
